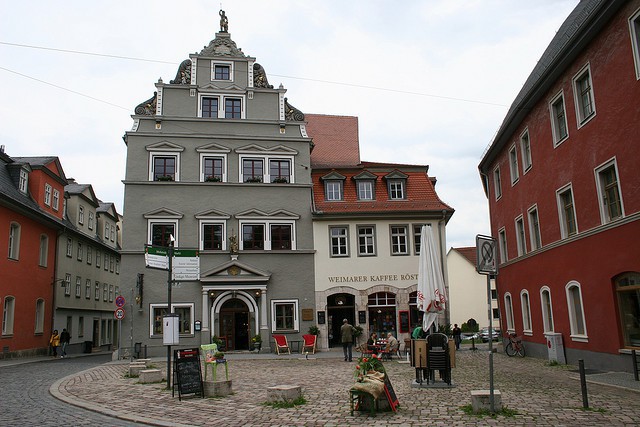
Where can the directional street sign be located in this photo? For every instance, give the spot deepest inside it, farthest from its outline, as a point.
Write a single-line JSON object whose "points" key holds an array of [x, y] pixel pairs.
{"points": [[120, 301], [486, 255], [119, 313]]}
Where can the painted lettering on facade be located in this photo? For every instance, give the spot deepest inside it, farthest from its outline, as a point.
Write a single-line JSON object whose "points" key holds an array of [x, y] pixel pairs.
{"points": [[373, 278]]}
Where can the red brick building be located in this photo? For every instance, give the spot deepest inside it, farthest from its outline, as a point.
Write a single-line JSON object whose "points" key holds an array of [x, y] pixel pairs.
{"points": [[563, 186]]}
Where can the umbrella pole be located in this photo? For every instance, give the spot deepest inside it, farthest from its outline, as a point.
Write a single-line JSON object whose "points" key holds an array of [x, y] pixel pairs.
{"points": [[491, 397]]}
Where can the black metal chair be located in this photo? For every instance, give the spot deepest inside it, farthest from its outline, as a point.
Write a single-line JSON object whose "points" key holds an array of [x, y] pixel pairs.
{"points": [[438, 357]]}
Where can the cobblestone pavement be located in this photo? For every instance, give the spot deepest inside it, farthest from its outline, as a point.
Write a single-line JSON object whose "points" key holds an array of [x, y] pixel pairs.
{"points": [[536, 393]]}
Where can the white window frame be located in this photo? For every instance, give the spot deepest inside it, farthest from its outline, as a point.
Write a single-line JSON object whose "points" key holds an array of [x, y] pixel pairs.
{"points": [[67, 284], [112, 236], [223, 157], [44, 250], [15, 231], [39, 319], [106, 232], [330, 187], [371, 236], [535, 235], [79, 254], [581, 117], [576, 317], [634, 32], [47, 194], [23, 184], [221, 104], [525, 148], [605, 218], [153, 307], [365, 189], [296, 317], [397, 188], [266, 224], [8, 315], [80, 214], [266, 166], [78, 286], [502, 245], [521, 236], [342, 241], [555, 124], [159, 221], [89, 254], [399, 239], [96, 288], [525, 305], [547, 311], [105, 292], [508, 310], [69, 247], [56, 199], [87, 289], [90, 220], [154, 154], [564, 232], [222, 63], [513, 165], [497, 182]]}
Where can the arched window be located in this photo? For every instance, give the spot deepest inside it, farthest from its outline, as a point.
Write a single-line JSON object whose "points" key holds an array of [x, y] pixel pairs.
{"points": [[7, 315], [628, 292], [508, 308], [576, 311], [44, 250], [526, 311], [547, 312], [39, 323], [382, 313], [14, 240]]}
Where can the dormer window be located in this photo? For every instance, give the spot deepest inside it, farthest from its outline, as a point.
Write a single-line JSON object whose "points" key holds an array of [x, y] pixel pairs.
{"points": [[396, 185], [365, 185], [222, 71], [24, 181], [333, 186], [47, 194]]}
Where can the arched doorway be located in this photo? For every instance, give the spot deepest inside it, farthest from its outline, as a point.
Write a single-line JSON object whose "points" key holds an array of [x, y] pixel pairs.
{"points": [[382, 313], [339, 307], [235, 327]]}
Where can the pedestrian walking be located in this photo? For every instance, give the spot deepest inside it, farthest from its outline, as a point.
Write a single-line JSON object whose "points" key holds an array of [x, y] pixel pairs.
{"points": [[65, 337], [346, 337], [457, 335], [54, 342]]}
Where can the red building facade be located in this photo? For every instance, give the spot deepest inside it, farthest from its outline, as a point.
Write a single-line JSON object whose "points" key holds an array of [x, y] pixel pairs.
{"points": [[564, 192]]}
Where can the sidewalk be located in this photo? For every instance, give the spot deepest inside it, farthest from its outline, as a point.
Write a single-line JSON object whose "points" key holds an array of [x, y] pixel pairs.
{"points": [[539, 394]]}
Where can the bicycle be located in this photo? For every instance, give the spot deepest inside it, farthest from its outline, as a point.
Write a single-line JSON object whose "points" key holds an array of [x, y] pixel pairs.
{"points": [[515, 346]]}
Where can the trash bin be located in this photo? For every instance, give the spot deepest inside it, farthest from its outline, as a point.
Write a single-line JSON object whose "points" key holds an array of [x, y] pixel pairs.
{"points": [[87, 347]]}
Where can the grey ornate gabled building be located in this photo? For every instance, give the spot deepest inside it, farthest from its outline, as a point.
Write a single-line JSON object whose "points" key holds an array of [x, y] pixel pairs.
{"points": [[219, 160]]}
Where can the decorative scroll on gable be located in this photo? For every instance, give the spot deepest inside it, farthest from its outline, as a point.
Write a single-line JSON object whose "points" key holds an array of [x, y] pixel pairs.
{"points": [[183, 76], [148, 107], [260, 77], [291, 113], [222, 45]]}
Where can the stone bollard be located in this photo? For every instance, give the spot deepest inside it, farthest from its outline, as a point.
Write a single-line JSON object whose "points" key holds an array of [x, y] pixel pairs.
{"points": [[217, 388], [283, 393], [150, 376], [480, 400]]}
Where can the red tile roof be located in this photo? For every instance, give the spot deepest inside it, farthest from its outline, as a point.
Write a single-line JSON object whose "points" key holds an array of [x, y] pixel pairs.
{"points": [[335, 140], [469, 253]]}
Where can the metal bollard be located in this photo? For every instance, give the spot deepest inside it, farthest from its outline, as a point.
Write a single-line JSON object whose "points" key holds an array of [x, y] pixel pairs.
{"points": [[583, 384], [634, 357]]}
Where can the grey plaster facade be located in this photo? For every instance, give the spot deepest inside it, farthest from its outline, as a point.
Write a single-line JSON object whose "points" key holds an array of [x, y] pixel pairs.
{"points": [[220, 160]]}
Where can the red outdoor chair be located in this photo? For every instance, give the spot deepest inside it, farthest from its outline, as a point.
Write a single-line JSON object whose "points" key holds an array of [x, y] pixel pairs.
{"points": [[309, 343], [281, 344]]}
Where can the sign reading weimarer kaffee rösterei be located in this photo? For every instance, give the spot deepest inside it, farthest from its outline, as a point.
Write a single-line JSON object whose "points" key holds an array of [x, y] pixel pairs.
{"points": [[373, 278]]}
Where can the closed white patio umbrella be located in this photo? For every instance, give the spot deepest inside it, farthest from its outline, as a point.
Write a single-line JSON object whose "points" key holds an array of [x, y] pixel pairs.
{"points": [[431, 292]]}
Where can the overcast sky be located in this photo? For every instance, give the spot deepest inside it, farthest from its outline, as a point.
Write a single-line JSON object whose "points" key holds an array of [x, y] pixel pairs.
{"points": [[430, 80]]}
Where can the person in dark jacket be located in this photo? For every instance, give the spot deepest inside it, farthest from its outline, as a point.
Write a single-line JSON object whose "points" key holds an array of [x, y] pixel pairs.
{"points": [[346, 337], [65, 337]]}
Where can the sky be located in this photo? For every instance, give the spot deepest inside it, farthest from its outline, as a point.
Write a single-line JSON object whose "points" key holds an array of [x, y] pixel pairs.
{"points": [[429, 80]]}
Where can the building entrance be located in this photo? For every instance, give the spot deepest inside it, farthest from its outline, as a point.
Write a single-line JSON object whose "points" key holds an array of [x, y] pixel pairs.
{"points": [[234, 325], [339, 307]]}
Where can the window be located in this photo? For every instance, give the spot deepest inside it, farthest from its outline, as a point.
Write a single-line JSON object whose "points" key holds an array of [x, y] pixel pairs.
{"points": [[339, 241], [417, 235], [513, 164], [534, 228], [284, 315], [112, 263], [14, 240], [56, 199], [69, 247], [160, 233], [78, 286], [24, 181], [634, 28], [253, 237], [628, 293], [39, 320], [280, 236], [502, 245], [106, 262], [495, 313], [232, 108], [366, 240], [609, 192], [252, 170], [526, 312], [89, 255], [494, 294], [558, 120], [520, 236], [547, 312], [497, 183], [396, 189], [106, 232], [212, 169], [79, 256], [96, 294], [185, 318], [47, 194], [164, 169], [333, 190], [566, 212], [279, 170], [508, 308], [44, 250], [576, 312], [80, 215], [117, 266], [67, 284], [105, 292], [113, 233], [110, 293], [209, 107], [399, 240], [525, 147], [80, 326], [8, 315], [98, 259], [87, 289], [90, 222], [212, 238], [583, 94], [222, 71], [365, 190]]}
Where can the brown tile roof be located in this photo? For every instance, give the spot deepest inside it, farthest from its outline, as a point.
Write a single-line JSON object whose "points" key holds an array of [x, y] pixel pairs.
{"points": [[335, 140], [469, 253]]}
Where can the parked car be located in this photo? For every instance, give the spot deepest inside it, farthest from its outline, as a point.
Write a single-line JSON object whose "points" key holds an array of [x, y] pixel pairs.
{"points": [[484, 334]]}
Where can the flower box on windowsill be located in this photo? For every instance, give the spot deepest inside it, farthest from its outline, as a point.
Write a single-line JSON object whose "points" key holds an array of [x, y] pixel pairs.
{"points": [[280, 180], [164, 178], [254, 179], [213, 179]]}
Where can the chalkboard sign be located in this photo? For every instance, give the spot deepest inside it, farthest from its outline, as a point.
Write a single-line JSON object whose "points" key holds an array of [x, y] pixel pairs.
{"points": [[362, 317], [321, 318], [404, 321], [187, 375], [390, 393]]}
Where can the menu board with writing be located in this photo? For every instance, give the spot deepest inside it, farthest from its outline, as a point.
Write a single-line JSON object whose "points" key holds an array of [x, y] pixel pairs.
{"points": [[390, 393], [187, 375]]}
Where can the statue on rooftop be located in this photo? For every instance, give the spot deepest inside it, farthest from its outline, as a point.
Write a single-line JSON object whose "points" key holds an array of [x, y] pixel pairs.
{"points": [[224, 22]]}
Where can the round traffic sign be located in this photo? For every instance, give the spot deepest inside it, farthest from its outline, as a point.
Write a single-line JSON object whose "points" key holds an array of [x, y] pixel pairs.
{"points": [[120, 301], [119, 313]]}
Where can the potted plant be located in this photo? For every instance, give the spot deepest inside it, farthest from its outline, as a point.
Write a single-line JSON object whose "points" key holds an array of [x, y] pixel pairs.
{"points": [[219, 356], [217, 341], [314, 330], [256, 341], [254, 179], [164, 178], [280, 180], [212, 178], [357, 332]]}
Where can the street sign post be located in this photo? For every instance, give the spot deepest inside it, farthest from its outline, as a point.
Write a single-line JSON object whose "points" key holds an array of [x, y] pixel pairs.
{"points": [[120, 301], [486, 255], [119, 313]]}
